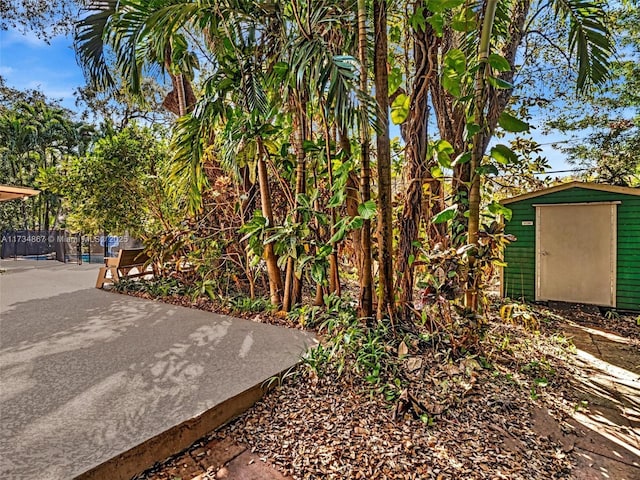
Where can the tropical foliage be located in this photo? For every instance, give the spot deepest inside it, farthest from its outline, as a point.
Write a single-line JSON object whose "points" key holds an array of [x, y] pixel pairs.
{"points": [[276, 99], [281, 171], [611, 113], [115, 187], [35, 134]]}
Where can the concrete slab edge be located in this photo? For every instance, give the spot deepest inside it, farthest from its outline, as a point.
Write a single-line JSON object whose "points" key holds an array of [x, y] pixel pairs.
{"points": [[172, 441]]}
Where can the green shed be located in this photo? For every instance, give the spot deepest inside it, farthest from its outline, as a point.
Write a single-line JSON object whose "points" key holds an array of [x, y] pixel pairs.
{"points": [[576, 242]]}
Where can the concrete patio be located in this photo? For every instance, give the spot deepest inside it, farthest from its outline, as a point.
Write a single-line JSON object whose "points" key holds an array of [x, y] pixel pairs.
{"points": [[99, 385]]}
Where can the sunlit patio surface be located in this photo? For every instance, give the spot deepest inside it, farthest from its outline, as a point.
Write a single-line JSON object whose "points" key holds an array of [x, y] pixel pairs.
{"points": [[610, 402], [102, 385]]}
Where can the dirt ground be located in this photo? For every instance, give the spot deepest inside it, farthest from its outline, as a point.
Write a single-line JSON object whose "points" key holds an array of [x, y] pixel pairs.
{"points": [[582, 423]]}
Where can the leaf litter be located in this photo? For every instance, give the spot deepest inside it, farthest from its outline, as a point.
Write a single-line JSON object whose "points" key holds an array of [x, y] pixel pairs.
{"points": [[472, 417]]}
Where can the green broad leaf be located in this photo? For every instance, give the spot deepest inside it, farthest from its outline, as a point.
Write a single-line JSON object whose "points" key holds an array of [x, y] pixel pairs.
{"points": [[487, 170], [512, 124], [367, 210], [418, 21], [444, 160], [337, 199], [443, 151], [395, 79], [472, 129], [355, 223], [499, 83], [411, 259], [444, 147], [400, 109], [318, 272], [440, 6], [341, 230], [464, 21], [452, 84], [499, 209], [456, 60], [503, 154], [461, 159], [455, 64], [499, 63], [324, 251], [436, 172], [445, 215], [437, 23]]}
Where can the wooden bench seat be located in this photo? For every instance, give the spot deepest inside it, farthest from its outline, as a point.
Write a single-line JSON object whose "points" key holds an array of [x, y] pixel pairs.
{"points": [[123, 267]]}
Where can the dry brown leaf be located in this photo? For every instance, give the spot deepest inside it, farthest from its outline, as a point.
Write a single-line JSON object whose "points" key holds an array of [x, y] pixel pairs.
{"points": [[403, 350]]}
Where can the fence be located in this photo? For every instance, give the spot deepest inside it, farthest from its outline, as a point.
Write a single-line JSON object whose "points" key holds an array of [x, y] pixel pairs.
{"points": [[29, 243], [63, 246]]}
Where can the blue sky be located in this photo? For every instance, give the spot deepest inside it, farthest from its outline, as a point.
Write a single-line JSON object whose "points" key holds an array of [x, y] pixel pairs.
{"points": [[26, 62]]}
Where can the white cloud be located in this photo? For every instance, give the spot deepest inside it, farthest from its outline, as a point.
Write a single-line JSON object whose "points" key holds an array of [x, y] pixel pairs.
{"points": [[6, 71]]}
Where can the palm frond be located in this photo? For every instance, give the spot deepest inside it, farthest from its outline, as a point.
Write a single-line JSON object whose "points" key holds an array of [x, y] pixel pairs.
{"points": [[89, 43], [589, 39]]}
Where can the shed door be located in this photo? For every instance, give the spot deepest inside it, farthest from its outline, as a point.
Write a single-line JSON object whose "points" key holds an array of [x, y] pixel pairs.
{"points": [[576, 253]]}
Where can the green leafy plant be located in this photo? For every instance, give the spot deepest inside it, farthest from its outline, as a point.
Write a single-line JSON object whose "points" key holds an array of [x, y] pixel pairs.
{"points": [[248, 304], [520, 314], [611, 315]]}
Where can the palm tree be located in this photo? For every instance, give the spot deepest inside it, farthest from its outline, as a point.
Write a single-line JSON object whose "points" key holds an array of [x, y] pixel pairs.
{"points": [[246, 42], [386, 298], [366, 278], [134, 38]]}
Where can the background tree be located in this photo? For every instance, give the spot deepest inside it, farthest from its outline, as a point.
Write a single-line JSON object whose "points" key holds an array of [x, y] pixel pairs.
{"points": [[116, 187], [44, 18], [609, 115], [35, 133]]}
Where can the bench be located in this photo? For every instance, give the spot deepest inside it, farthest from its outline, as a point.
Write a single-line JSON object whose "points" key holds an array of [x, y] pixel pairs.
{"points": [[122, 266]]}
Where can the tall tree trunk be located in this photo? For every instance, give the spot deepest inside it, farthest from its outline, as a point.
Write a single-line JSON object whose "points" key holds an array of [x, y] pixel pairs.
{"points": [[320, 287], [293, 285], [352, 201], [181, 99], [386, 301], [273, 271], [365, 275], [334, 272], [417, 166], [450, 114], [477, 152], [452, 120]]}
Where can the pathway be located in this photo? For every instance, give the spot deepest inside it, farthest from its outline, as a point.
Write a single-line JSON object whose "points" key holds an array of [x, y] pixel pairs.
{"points": [[605, 427]]}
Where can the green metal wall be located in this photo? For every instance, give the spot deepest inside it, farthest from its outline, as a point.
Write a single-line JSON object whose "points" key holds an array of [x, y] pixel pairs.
{"points": [[520, 256]]}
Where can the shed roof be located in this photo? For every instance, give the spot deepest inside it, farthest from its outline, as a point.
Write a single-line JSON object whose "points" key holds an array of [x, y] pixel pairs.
{"points": [[565, 186], [8, 192]]}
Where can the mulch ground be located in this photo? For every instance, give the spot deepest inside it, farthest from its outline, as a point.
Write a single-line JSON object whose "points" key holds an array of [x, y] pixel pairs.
{"points": [[502, 414]]}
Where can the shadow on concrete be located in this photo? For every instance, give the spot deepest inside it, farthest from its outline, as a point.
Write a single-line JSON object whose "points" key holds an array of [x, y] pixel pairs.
{"points": [[606, 420], [88, 375]]}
